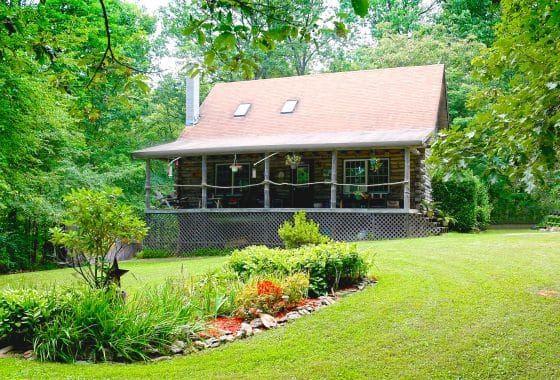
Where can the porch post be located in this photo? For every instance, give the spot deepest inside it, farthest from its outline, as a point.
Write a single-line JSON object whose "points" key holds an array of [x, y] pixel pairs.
{"points": [[204, 175], [266, 179], [333, 179], [407, 179], [148, 185]]}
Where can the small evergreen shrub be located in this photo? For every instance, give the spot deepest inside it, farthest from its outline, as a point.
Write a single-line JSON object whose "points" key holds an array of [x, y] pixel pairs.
{"points": [[329, 265], [465, 197], [301, 232]]}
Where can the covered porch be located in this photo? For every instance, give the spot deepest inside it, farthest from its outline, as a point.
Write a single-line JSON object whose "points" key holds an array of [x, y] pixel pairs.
{"points": [[381, 178]]}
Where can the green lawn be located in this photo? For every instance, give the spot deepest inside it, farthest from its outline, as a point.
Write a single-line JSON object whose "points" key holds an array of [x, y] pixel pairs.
{"points": [[142, 272], [456, 306]]}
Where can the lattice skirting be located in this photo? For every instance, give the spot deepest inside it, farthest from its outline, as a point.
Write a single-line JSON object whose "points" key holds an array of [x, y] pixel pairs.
{"points": [[185, 231]]}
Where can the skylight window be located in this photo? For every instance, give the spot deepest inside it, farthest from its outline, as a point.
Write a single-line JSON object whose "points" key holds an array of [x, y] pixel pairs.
{"points": [[242, 109], [289, 106]]}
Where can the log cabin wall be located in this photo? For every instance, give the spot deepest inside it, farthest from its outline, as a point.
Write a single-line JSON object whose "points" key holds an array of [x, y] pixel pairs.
{"points": [[189, 172]]}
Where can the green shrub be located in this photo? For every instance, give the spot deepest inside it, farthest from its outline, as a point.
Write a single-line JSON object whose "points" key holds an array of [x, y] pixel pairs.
{"points": [[301, 232], [147, 253], [550, 221], [208, 251], [465, 197], [22, 311], [328, 265]]}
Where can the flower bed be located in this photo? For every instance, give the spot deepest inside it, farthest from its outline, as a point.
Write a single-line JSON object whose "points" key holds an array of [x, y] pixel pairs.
{"points": [[259, 288]]}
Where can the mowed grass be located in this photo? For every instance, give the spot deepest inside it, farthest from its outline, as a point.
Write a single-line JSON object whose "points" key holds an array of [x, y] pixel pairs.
{"points": [[455, 306], [142, 273]]}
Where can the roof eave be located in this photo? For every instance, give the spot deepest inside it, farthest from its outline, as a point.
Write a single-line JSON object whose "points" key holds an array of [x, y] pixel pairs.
{"points": [[171, 153]]}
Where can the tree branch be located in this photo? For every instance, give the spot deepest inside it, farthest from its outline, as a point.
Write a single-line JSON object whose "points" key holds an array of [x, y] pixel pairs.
{"points": [[109, 51]]}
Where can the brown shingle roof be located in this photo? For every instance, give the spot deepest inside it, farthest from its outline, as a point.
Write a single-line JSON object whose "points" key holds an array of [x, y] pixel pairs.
{"points": [[361, 108]]}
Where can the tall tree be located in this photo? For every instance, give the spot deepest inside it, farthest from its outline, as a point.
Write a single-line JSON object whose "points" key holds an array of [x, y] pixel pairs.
{"points": [[517, 126]]}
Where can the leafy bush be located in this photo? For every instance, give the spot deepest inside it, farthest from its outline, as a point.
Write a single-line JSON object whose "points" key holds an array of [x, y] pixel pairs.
{"points": [[147, 253], [328, 265], [301, 232], [22, 311], [96, 221], [465, 197], [208, 251], [550, 221]]}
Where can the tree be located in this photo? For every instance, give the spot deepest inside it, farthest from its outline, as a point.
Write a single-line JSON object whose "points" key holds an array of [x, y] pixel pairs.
{"points": [[95, 222], [517, 126], [470, 18]]}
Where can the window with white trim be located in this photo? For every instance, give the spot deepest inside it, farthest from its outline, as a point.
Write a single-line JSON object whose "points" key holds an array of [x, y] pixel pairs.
{"points": [[361, 172], [226, 177]]}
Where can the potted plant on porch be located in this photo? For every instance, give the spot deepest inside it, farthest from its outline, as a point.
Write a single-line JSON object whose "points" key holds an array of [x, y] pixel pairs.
{"points": [[293, 160]]}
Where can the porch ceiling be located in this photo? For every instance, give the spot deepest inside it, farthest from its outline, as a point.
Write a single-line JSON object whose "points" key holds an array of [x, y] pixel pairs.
{"points": [[289, 142]]}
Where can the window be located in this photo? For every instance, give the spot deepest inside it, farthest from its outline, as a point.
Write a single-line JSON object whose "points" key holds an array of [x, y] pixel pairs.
{"points": [[360, 172], [289, 106], [242, 109], [226, 177], [355, 172]]}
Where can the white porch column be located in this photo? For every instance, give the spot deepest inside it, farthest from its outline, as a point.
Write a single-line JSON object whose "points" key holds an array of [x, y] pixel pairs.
{"points": [[407, 179], [266, 179], [204, 175], [148, 185], [333, 179]]}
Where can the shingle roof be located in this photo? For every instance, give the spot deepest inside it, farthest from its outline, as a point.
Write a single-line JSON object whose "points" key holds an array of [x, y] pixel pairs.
{"points": [[387, 107]]}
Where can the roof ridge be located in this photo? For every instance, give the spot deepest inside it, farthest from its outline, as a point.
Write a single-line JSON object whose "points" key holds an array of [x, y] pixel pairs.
{"points": [[294, 77]]}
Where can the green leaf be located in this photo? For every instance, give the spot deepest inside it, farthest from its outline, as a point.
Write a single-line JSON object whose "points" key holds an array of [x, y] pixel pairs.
{"points": [[360, 7], [226, 40]]}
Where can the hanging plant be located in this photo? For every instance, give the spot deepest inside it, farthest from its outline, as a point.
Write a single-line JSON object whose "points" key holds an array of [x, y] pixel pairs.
{"points": [[375, 164], [293, 160], [235, 167]]}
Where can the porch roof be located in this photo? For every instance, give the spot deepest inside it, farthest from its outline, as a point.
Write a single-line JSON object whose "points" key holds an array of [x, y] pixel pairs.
{"points": [[291, 142], [371, 108]]}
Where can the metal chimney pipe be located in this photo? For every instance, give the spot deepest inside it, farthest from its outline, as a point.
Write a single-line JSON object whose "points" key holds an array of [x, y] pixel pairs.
{"points": [[193, 100]]}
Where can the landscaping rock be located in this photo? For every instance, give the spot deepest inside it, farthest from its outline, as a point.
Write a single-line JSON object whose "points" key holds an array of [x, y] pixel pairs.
{"points": [[82, 362], [268, 321], [161, 358], [257, 331], [29, 355], [256, 323], [199, 344], [213, 342], [226, 338], [177, 347], [292, 315], [151, 350], [282, 320], [5, 350], [246, 329]]}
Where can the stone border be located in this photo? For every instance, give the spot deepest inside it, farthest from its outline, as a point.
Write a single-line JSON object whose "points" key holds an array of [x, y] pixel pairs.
{"points": [[262, 323]]}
